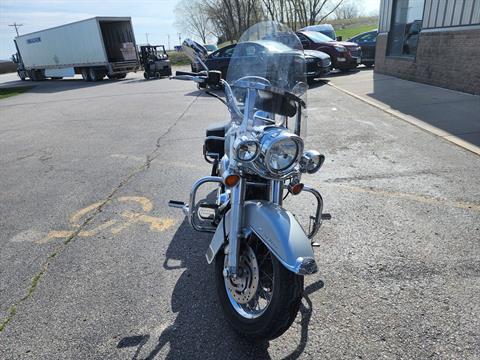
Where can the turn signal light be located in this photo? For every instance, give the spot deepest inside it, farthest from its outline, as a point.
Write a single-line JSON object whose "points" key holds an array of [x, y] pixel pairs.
{"points": [[232, 180], [296, 189]]}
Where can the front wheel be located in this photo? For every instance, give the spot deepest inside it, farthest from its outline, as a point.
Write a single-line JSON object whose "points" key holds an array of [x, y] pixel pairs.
{"points": [[263, 300]]}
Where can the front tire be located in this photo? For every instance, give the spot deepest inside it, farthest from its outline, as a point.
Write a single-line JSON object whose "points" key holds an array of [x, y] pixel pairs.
{"points": [[283, 288]]}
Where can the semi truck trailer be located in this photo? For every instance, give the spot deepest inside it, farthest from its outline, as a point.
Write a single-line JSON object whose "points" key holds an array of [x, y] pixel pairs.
{"points": [[94, 48]]}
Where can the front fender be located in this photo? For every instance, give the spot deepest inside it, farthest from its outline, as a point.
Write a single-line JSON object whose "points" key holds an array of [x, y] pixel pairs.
{"points": [[278, 230]]}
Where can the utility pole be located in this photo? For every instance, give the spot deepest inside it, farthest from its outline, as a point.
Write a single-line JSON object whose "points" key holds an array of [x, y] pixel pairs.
{"points": [[168, 41], [179, 38], [146, 35], [16, 26]]}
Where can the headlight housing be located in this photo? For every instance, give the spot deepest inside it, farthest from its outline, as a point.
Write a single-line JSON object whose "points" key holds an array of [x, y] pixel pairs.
{"points": [[280, 151], [340, 48], [246, 149], [281, 155], [311, 161]]}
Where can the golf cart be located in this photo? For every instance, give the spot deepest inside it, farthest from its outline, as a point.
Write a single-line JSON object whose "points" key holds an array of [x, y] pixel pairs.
{"points": [[154, 60]]}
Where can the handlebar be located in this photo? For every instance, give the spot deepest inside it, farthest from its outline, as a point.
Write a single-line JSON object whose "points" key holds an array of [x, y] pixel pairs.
{"points": [[203, 77], [182, 73]]}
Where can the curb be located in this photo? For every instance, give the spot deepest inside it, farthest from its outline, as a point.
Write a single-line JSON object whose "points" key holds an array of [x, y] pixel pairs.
{"points": [[414, 121]]}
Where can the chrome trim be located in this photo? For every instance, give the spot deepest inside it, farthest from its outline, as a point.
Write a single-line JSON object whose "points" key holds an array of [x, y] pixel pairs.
{"points": [[236, 223], [270, 138], [306, 266], [311, 157], [276, 192], [244, 140], [190, 211], [317, 220]]}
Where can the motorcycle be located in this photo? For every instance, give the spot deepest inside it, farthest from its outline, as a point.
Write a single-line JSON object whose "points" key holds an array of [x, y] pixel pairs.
{"points": [[260, 251]]}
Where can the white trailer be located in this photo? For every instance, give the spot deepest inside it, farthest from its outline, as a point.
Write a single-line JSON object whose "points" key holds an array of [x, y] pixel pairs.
{"points": [[94, 48]]}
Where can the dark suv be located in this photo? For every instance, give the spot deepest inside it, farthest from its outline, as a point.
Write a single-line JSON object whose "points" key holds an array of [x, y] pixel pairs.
{"points": [[368, 42], [345, 55]]}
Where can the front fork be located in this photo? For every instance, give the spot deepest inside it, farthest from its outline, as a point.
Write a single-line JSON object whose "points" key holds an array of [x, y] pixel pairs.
{"points": [[236, 225], [236, 233]]}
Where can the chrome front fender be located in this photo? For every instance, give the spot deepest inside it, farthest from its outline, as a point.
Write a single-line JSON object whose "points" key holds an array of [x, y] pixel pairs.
{"points": [[278, 230]]}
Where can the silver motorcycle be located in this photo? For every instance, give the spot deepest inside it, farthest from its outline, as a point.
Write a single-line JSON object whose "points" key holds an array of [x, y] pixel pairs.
{"points": [[260, 250]]}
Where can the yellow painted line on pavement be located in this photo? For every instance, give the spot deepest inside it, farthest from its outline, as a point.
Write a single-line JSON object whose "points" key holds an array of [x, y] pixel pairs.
{"points": [[146, 204], [75, 218], [115, 226]]}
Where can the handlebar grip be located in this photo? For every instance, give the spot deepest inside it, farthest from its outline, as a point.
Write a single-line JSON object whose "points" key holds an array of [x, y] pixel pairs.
{"points": [[180, 73]]}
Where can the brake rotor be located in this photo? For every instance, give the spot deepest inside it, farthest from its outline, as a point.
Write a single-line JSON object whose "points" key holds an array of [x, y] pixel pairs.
{"points": [[244, 286]]}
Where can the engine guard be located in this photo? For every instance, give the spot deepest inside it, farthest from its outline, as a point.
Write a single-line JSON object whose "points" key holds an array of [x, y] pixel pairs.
{"points": [[278, 230]]}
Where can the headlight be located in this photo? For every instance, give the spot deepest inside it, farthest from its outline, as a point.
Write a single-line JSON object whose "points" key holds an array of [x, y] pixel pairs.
{"points": [[281, 151], [340, 48], [282, 155], [246, 149], [311, 161]]}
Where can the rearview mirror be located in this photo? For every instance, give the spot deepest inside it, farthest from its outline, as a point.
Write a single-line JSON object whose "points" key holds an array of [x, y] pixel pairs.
{"points": [[194, 50], [339, 38]]}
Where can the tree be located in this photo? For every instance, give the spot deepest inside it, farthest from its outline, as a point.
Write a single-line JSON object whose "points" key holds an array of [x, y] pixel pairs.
{"points": [[299, 13], [311, 12], [347, 10], [192, 18], [230, 18]]}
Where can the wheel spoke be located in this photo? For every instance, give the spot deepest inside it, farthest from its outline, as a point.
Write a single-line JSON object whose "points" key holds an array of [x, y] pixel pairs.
{"points": [[257, 277]]}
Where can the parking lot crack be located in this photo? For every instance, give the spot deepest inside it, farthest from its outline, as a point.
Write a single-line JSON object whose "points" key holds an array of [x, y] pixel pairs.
{"points": [[13, 309]]}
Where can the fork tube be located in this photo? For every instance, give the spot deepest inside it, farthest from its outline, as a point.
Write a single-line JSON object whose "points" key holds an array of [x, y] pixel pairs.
{"points": [[248, 110], [236, 223], [276, 192]]}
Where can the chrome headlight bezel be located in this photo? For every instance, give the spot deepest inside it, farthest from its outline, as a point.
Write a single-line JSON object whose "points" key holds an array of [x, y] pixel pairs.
{"points": [[272, 137], [311, 161], [240, 143]]}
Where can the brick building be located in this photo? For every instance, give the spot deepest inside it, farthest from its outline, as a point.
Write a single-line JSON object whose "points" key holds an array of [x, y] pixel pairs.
{"points": [[431, 41]]}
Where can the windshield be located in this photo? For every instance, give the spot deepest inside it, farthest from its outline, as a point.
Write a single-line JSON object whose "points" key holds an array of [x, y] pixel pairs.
{"points": [[329, 33], [317, 37], [268, 77], [211, 47]]}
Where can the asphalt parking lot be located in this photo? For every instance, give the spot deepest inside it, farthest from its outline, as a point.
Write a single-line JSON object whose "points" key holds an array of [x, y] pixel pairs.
{"points": [[96, 266]]}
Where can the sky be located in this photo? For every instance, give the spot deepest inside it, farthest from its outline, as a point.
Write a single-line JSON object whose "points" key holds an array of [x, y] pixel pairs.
{"points": [[155, 17]]}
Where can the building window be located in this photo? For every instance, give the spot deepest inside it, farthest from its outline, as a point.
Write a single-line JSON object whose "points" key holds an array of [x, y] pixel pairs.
{"points": [[407, 17]]}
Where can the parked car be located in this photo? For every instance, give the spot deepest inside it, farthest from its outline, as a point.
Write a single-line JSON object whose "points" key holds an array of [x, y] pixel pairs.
{"points": [[210, 48], [368, 42], [218, 60], [325, 29], [318, 63], [345, 55]]}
